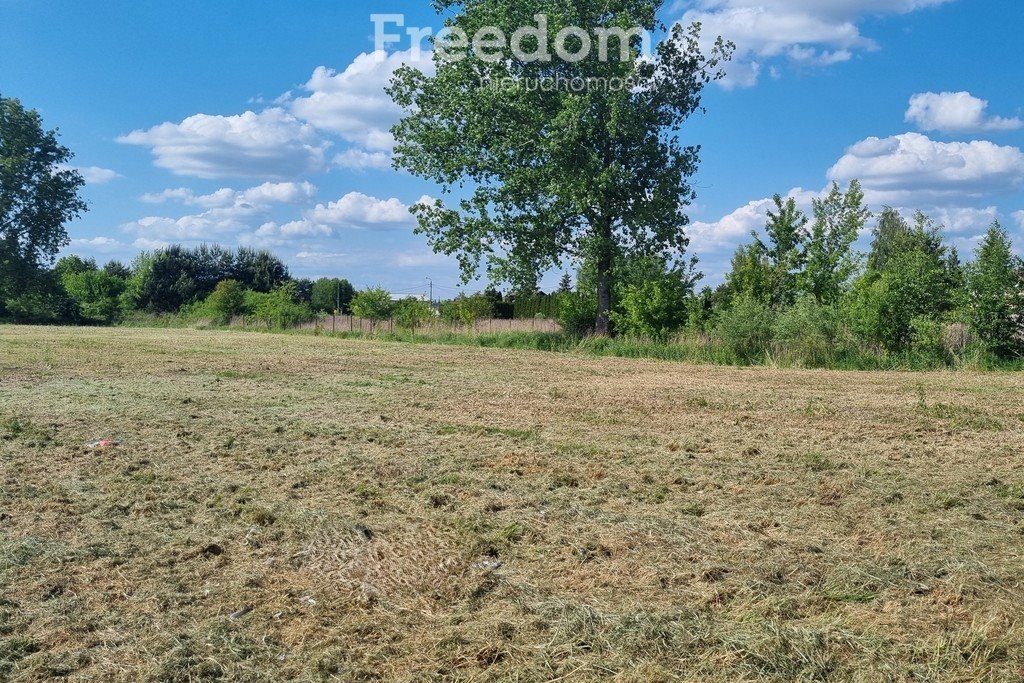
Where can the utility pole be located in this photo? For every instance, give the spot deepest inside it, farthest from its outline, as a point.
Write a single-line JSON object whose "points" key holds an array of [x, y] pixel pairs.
{"points": [[431, 290]]}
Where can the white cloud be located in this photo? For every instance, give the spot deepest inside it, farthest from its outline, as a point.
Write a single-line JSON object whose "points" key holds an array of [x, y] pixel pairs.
{"points": [[100, 244], [240, 202], [734, 227], [149, 244], [271, 144], [227, 213], [299, 228], [958, 220], [1019, 217], [95, 175], [911, 168], [419, 259], [187, 228], [360, 210], [953, 112], [812, 32], [360, 160], [353, 103]]}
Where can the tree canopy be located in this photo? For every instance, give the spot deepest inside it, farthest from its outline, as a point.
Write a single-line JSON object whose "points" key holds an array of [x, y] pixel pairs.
{"points": [[38, 196], [557, 172]]}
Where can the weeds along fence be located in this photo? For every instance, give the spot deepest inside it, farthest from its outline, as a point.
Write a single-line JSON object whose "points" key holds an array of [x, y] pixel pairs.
{"points": [[350, 324]]}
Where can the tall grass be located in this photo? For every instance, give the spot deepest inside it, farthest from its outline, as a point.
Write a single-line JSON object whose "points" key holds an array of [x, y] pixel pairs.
{"points": [[705, 349], [795, 349]]}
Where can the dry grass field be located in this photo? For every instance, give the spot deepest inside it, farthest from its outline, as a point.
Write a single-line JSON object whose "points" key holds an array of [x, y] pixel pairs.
{"points": [[287, 507]]}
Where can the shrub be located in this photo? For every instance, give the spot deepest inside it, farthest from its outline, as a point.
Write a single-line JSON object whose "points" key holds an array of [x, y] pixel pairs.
{"points": [[807, 331], [279, 308], [412, 313], [227, 301], [655, 308], [927, 340], [745, 329], [373, 304], [467, 309], [578, 314]]}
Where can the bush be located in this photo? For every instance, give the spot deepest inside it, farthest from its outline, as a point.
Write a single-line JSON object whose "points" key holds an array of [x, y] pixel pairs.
{"points": [[655, 309], [412, 313], [467, 309], [927, 339], [227, 301], [578, 314], [807, 332], [745, 329], [279, 308], [373, 304]]}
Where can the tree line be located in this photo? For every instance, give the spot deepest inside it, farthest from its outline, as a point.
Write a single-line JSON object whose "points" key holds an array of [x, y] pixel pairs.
{"points": [[800, 287]]}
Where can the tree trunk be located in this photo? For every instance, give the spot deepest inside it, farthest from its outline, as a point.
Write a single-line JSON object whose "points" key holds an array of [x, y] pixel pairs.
{"points": [[604, 295]]}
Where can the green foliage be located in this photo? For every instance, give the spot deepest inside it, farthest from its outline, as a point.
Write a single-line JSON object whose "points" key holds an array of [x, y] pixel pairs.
{"points": [[536, 305], [996, 294], [653, 306], [831, 261], [165, 280], [97, 294], [577, 314], [911, 276], [927, 338], [279, 308], [556, 173], [785, 251], [227, 301], [746, 329], [808, 332], [373, 304], [42, 301], [750, 275], [38, 197], [256, 270], [467, 309], [330, 294], [565, 284], [412, 313]]}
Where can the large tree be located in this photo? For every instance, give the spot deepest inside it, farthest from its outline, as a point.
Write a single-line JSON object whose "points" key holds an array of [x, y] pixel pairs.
{"points": [[38, 196], [552, 171]]}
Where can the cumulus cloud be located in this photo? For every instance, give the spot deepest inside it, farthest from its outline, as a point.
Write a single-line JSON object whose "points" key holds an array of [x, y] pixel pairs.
{"points": [[955, 112], [98, 245], [1019, 217], [199, 227], [228, 212], [911, 168], [360, 160], [734, 227], [958, 220], [363, 211], [239, 202], [812, 32], [271, 144], [353, 104], [95, 175]]}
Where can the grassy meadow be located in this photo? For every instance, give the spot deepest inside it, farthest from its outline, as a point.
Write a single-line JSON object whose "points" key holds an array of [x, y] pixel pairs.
{"points": [[293, 507]]}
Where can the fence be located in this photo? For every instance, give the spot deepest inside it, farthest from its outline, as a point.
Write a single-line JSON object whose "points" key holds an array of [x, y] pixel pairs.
{"points": [[347, 323]]}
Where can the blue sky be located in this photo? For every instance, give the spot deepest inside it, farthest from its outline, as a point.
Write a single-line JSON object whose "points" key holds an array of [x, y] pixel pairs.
{"points": [[263, 123]]}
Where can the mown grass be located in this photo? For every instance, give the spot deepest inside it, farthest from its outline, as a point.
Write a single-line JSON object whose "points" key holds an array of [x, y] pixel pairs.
{"points": [[292, 507]]}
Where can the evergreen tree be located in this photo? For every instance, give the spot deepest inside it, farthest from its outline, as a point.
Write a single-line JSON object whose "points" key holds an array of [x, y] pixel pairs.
{"points": [[994, 286]]}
